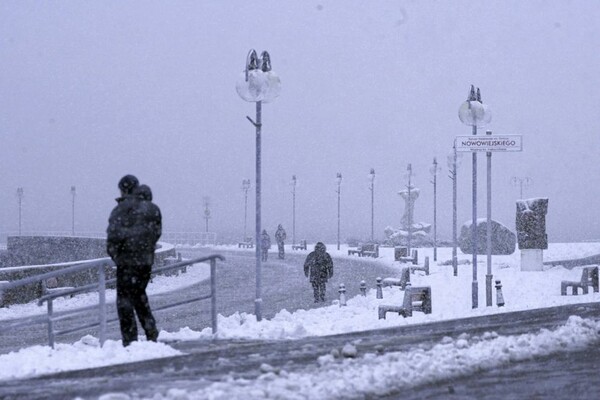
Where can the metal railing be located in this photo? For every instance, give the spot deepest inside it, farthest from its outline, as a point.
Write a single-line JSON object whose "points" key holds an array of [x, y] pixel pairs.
{"points": [[100, 265]]}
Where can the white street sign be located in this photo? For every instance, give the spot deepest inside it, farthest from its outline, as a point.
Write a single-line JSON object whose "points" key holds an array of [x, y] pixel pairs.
{"points": [[489, 143]]}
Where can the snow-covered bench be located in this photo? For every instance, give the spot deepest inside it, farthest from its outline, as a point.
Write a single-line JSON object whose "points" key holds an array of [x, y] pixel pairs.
{"points": [[402, 281], [415, 299], [248, 244], [589, 277], [424, 268], [413, 259], [301, 246], [366, 250]]}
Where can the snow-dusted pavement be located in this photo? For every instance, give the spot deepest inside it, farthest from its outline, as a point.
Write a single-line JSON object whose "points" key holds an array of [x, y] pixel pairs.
{"points": [[306, 367]]}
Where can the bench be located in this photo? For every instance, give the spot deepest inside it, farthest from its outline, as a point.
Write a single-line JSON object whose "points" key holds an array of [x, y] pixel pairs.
{"points": [[414, 259], [589, 277], [402, 281], [50, 286], [415, 299], [366, 250], [301, 246], [247, 244], [424, 268]]}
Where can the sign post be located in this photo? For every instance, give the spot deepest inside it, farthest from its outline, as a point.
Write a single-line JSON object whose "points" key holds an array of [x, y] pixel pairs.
{"points": [[488, 144]]}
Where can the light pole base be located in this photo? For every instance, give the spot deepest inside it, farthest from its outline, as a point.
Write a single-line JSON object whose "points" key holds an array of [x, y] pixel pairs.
{"points": [[455, 265], [488, 290], [475, 294], [258, 309]]}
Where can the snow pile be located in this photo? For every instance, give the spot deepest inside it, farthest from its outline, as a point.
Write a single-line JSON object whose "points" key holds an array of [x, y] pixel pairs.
{"points": [[372, 375], [85, 353]]}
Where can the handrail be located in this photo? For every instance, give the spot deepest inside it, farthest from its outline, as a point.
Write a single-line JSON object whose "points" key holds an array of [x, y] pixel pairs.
{"points": [[100, 286]]}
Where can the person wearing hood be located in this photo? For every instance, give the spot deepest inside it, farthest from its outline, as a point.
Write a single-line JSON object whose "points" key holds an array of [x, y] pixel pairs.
{"points": [[265, 244], [133, 229], [280, 236], [318, 268]]}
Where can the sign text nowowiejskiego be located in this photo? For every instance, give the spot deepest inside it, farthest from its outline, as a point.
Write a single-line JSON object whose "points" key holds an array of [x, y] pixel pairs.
{"points": [[489, 143]]}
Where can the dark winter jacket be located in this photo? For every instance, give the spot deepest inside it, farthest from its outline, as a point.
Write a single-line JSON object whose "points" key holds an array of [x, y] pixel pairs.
{"points": [[265, 241], [134, 227], [280, 234], [318, 266]]}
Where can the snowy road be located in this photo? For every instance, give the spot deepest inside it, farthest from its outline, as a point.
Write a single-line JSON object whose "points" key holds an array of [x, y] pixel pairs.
{"points": [[208, 363]]}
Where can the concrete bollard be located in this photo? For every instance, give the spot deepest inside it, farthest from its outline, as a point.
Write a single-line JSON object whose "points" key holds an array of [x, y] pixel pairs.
{"points": [[499, 295], [379, 290], [342, 292], [363, 288], [426, 266]]}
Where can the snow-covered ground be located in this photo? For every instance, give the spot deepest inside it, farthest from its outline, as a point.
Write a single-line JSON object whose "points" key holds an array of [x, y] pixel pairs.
{"points": [[451, 298]]}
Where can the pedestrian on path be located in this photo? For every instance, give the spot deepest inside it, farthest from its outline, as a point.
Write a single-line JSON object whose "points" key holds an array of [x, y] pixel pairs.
{"points": [[134, 227], [318, 268], [280, 236], [265, 244]]}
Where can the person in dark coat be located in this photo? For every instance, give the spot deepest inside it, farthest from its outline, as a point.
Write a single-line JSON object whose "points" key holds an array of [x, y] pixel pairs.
{"points": [[280, 236], [265, 244], [134, 227], [318, 268]]}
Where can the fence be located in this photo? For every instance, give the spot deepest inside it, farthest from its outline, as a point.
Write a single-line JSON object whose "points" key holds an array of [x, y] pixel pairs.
{"points": [[173, 237], [100, 265]]}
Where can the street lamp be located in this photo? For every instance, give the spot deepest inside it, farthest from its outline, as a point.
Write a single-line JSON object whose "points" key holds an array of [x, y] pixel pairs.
{"points": [[73, 192], [245, 188], [434, 170], [372, 189], [258, 84], [206, 201], [20, 199], [521, 182], [453, 163], [294, 183], [474, 113], [339, 191]]}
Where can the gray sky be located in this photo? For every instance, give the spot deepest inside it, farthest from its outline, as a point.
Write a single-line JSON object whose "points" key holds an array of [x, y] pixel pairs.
{"points": [[90, 91]]}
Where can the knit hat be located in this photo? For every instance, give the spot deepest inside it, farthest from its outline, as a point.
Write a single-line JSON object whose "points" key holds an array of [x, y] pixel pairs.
{"points": [[128, 183]]}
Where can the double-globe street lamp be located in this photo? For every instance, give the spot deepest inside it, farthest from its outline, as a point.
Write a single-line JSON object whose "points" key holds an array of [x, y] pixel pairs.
{"points": [[523, 181], [434, 170], [245, 188], [294, 183], [338, 181], [475, 114], [20, 199], [73, 193], [258, 84], [372, 189]]}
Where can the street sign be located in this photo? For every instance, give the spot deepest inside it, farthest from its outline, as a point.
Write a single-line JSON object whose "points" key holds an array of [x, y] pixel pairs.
{"points": [[489, 143]]}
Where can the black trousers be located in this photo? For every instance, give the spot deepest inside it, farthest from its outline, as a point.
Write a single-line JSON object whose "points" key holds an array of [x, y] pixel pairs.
{"points": [[132, 299], [319, 289], [281, 249]]}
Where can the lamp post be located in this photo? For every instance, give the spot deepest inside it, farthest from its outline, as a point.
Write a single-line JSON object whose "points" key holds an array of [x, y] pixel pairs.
{"points": [[434, 170], [20, 199], [206, 201], [294, 183], [73, 192], [474, 113], [521, 182], [372, 189], [453, 163], [245, 188], [409, 174], [258, 84], [339, 191]]}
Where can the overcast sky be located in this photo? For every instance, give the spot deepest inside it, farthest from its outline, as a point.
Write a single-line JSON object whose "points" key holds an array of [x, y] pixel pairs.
{"points": [[90, 91]]}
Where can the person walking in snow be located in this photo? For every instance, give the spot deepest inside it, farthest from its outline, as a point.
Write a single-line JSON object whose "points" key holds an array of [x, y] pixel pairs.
{"points": [[134, 227], [318, 268], [280, 236], [265, 244]]}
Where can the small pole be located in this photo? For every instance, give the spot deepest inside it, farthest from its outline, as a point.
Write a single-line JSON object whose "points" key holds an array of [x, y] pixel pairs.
{"points": [[379, 289], [363, 288], [454, 235], [213, 294], [426, 265], [102, 303], [499, 295], [474, 284], [342, 292]]}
